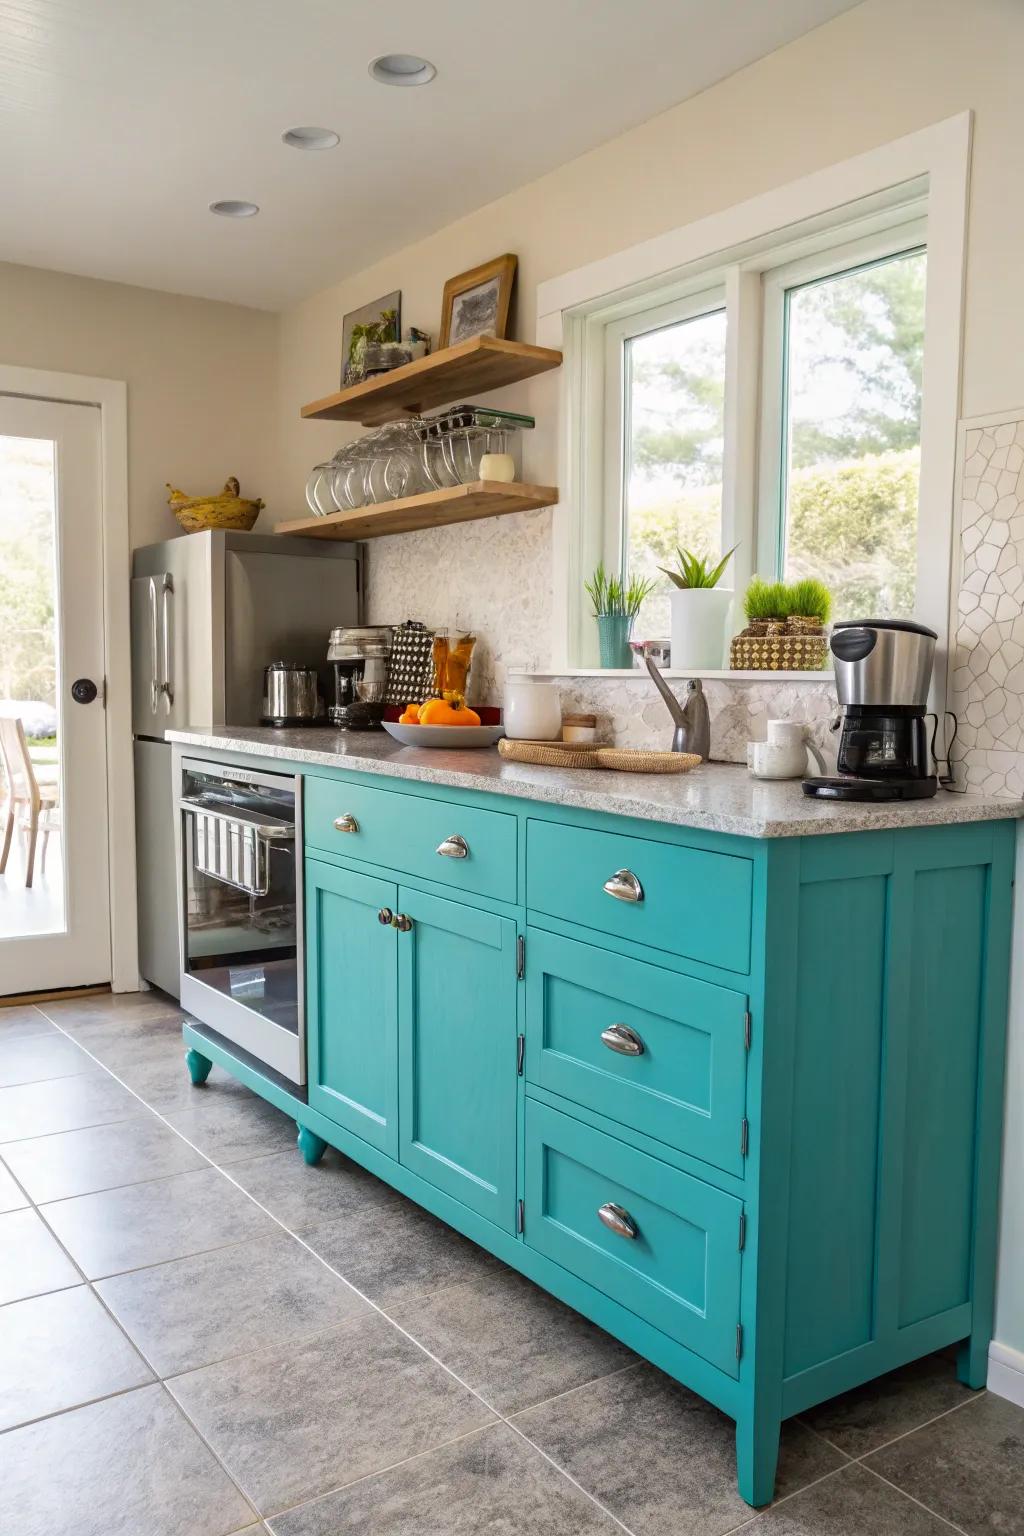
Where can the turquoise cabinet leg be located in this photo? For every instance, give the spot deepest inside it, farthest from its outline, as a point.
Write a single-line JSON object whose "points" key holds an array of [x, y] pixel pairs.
{"points": [[972, 1362], [199, 1067], [310, 1144], [757, 1455]]}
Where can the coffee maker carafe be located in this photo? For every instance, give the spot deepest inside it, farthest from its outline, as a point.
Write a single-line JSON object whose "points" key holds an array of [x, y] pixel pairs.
{"points": [[883, 670]]}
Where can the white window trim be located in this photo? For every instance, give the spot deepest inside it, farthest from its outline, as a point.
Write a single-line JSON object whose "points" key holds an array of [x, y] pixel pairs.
{"points": [[938, 158]]}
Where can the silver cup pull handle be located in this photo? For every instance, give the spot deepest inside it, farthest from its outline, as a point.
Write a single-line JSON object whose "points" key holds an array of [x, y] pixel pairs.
{"points": [[454, 847], [346, 823], [619, 1037], [624, 886], [618, 1220]]}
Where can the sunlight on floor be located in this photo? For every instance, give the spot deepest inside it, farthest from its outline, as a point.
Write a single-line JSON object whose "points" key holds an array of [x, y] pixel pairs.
{"points": [[37, 909]]}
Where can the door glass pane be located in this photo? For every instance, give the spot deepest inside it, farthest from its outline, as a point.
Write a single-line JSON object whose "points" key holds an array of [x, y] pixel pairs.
{"points": [[674, 428], [852, 447], [29, 723]]}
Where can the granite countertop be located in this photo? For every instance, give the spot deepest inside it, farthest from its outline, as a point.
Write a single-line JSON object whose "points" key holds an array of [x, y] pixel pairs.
{"points": [[717, 797]]}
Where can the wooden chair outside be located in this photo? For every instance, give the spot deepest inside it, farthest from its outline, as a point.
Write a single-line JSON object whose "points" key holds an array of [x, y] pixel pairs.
{"points": [[36, 803]]}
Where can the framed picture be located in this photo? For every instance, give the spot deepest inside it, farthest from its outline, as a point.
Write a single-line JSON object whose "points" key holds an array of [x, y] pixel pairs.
{"points": [[370, 326], [476, 303]]}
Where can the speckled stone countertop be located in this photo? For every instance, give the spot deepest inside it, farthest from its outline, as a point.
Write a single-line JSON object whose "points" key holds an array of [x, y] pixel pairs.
{"points": [[717, 797]]}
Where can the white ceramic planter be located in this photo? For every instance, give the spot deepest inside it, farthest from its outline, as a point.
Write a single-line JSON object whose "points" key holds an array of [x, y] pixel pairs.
{"points": [[698, 627]]}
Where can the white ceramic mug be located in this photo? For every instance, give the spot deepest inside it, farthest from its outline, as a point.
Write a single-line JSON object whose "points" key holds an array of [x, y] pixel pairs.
{"points": [[531, 710], [784, 754]]}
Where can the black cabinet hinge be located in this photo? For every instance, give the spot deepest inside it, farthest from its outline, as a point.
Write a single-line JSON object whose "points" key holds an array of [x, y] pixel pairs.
{"points": [[743, 1231], [520, 1053], [520, 1217], [520, 958], [744, 1136], [739, 1340], [747, 1028]]}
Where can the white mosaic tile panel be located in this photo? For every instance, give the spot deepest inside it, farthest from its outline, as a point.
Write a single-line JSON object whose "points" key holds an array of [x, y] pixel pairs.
{"points": [[987, 688]]}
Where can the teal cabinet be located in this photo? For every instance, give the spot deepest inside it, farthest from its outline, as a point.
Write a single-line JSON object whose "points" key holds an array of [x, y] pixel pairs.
{"points": [[352, 1002], [742, 1109], [457, 1052]]}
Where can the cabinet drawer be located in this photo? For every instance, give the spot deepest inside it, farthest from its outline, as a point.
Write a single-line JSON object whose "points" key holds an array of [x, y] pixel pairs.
{"points": [[657, 1051], [404, 832], [688, 901], [680, 1268]]}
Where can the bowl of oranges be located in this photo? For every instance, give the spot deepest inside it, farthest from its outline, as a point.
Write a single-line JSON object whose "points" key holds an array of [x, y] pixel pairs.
{"points": [[446, 721]]}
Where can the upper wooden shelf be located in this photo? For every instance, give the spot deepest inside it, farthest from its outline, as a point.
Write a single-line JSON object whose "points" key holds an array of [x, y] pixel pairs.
{"points": [[456, 374]]}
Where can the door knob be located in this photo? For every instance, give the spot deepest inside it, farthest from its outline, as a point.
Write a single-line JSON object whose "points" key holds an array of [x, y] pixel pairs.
{"points": [[402, 923], [618, 1220], [83, 690], [624, 886], [385, 916]]}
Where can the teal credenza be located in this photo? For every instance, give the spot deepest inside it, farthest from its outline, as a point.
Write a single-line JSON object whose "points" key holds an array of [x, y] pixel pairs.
{"points": [[748, 1122]]}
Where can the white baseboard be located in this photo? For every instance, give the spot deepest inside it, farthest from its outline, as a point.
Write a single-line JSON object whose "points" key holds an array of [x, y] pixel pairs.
{"points": [[1006, 1372]]}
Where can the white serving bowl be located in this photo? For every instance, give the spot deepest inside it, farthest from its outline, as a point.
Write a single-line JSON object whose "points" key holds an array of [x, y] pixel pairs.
{"points": [[444, 735]]}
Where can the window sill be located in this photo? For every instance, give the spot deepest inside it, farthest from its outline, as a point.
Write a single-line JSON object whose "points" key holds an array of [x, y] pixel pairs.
{"points": [[640, 675]]}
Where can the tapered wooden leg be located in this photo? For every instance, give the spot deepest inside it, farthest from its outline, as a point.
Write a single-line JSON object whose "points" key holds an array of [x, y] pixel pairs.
{"points": [[8, 834], [972, 1361], [310, 1145], [757, 1456], [199, 1067], [30, 852]]}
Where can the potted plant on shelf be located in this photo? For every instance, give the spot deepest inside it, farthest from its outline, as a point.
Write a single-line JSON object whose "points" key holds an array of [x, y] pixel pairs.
{"points": [[785, 627], [699, 608], [616, 606]]}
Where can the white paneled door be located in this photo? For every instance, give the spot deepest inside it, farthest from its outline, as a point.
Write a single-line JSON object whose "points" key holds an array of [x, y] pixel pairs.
{"points": [[54, 887]]}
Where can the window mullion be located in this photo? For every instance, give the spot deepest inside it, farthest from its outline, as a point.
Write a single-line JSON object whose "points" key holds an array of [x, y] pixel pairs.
{"points": [[743, 307]]}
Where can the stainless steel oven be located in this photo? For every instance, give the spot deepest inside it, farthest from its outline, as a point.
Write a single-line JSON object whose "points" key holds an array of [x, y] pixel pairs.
{"points": [[241, 928]]}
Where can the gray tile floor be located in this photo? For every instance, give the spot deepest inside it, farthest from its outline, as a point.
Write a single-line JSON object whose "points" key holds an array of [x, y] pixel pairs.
{"points": [[200, 1335]]}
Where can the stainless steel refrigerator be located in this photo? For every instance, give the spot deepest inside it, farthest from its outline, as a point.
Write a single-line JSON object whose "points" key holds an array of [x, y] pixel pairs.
{"points": [[208, 612]]}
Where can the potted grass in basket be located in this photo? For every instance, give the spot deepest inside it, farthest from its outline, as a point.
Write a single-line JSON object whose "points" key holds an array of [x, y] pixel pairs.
{"points": [[616, 605], [786, 623]]}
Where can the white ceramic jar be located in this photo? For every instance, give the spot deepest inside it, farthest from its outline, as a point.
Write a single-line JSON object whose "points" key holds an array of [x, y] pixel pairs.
{"points": [[531, 710]]}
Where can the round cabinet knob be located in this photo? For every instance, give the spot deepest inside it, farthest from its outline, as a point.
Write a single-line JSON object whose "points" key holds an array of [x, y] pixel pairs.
{"points": [[385, 917], [83, 690], [618, 1220], [403, 923], [619, 1037], [346, 823], [454, 847], [624, 886]]}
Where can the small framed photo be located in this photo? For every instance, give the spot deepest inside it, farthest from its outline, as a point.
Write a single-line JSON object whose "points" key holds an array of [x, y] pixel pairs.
{"points": [[365, 329], [476, 303]]}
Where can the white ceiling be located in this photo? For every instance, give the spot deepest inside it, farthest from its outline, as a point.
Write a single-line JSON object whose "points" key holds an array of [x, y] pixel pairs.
{"points": [[121, 120]]}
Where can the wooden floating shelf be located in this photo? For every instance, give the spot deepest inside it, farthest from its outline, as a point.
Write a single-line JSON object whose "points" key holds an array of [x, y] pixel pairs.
{"points": [[454, 375], [434, 509]]}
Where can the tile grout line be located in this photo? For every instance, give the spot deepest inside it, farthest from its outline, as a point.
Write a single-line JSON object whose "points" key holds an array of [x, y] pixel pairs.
{"points": [[378, 1309], [917, 1429], [926, 1507]]}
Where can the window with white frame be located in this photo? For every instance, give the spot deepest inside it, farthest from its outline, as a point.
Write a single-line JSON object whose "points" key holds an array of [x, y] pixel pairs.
{"points": [[793, 375]]}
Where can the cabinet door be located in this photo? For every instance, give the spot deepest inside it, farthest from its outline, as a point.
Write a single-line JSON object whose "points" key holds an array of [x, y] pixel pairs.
{"points": [[457, 1052], [352, 1003]]}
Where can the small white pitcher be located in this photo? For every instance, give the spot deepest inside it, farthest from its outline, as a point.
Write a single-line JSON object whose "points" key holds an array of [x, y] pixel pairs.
{"points": [[784, 754]]}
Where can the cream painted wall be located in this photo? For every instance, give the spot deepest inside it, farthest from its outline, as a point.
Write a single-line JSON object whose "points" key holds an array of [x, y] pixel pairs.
{"points": [[201, 379]]}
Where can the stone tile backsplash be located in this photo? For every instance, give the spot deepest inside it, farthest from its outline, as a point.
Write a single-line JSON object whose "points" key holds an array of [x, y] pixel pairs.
{"points": [[987, 692]]}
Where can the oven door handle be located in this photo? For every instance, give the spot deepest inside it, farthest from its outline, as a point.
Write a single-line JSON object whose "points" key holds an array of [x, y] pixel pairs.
{"points": [[276, 831]]}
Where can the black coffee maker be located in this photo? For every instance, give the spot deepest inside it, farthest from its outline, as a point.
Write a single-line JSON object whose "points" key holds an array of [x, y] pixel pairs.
{"points": [[883, 670]]}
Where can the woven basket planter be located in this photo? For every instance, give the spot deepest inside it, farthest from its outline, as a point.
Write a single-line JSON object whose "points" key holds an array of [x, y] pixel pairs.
{"points": [[793, 645]]}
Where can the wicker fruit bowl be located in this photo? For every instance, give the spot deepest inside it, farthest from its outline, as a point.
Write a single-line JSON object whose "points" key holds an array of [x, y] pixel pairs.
{"points": [[228, 510]]}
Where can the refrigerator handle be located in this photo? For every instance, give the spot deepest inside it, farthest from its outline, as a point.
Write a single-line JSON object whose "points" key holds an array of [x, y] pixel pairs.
{"points": [[154, 684], [166, 687]]}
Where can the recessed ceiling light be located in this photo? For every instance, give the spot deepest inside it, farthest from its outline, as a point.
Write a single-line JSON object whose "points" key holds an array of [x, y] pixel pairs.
{"points": [[402, 69], [311, 138], [232, 208]]}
